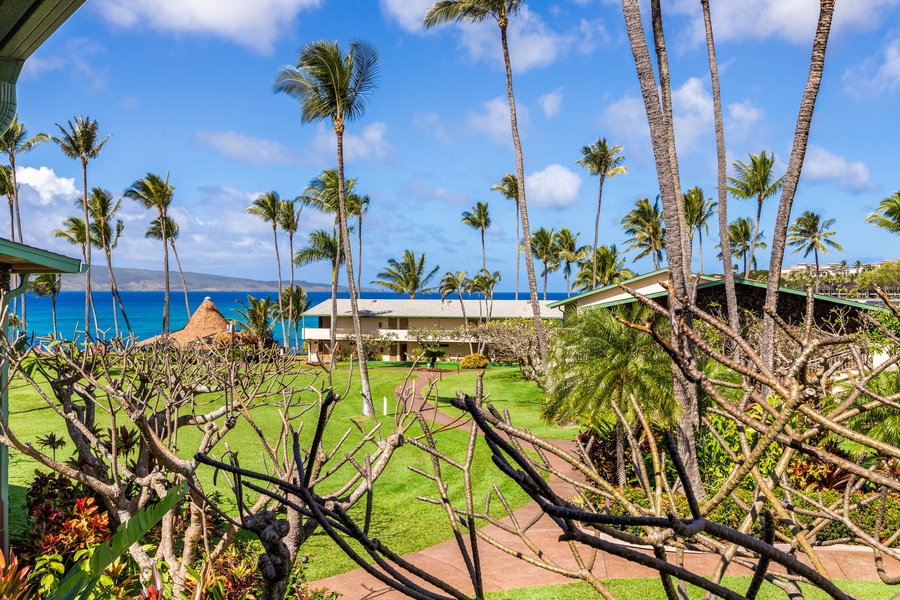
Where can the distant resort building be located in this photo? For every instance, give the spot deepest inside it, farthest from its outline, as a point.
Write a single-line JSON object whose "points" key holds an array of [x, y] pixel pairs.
{"points": [[398, 317], [844, 270]]}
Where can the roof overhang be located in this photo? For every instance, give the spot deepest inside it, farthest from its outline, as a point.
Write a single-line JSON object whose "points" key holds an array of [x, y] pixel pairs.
{"points": [[24, 259]]}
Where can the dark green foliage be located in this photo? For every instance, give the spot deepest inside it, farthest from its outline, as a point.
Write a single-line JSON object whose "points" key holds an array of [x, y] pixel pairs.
{"points": [[474, 361]]}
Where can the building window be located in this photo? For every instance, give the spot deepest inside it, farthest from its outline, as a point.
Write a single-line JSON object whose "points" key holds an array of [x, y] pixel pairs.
{"points": [[398, 323], [324, 322]]}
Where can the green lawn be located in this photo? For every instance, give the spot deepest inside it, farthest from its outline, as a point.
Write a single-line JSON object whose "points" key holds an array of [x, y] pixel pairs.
{"points": [[651, 589], [400, 520]]}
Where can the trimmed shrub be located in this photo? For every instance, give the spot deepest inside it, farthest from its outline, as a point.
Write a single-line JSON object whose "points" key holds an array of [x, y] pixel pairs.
{"points": [[474, 361]]}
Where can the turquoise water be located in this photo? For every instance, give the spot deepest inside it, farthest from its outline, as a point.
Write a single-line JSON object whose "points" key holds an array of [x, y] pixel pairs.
{"points": [[144, 310]]}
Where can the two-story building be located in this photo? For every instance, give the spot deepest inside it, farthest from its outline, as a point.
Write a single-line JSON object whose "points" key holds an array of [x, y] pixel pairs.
{"points": [[399, 316]]}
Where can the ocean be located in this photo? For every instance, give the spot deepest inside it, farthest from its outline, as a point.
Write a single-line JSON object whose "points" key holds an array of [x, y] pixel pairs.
{"points": [[144, 310]]}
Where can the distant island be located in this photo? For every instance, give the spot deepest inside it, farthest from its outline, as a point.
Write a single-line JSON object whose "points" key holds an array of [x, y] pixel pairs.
{"points": [[146, 280]]}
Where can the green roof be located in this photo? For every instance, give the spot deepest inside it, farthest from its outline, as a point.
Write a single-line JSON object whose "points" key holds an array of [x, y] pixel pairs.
{"points": [[27, 259], [25, 25], [559, 303]]}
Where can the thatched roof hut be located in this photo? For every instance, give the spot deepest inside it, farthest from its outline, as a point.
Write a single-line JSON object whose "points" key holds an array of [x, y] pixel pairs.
{"points": [[206, 325]]}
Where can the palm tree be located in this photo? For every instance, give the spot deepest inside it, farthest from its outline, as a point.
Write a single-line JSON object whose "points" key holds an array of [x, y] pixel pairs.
{"points": [[105, 237], [755, 180], [256, 319], [289, 221], [7, 189], [74, 232], [610, 269], [152, 192], [647, 230], [323, 245], [509, 188], [601, 160], [457, 283], [360, 208], [740, 234], [697, 213], [12, 143], [569, 253], [296, 302], [331, 85], [80, 141], [267, 207], [155, 232], [407, 276], [598, 364], [477, 11], [810, 234], [484, 283], [479, 218], [545, 250], [887, 216], [47, 284]]}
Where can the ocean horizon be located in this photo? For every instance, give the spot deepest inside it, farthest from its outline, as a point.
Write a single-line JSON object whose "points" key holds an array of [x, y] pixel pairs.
{"points": [[145, 309]]}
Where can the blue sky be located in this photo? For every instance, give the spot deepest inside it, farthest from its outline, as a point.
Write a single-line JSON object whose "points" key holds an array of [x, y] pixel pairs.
{"points": [[185, 87]]}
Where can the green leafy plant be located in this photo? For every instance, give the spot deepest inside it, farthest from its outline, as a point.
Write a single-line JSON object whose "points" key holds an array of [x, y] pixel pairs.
{"points": [[13, 577], [474, 361]]}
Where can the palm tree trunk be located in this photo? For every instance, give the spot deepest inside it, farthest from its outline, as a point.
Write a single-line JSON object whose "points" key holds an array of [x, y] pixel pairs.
{"points": [[483, 253], [462, 308], [792, 176], [332, 361], [359, 247], [368, 406], [523, 207], [597, 233], [662, 138], [749, 263], [285, 340], [53, 314], [187, 304], [700, 244], [620, 455], [518, 249], [165, 241], [295, 318], [112, 286], [14, 199], [87, 253]]}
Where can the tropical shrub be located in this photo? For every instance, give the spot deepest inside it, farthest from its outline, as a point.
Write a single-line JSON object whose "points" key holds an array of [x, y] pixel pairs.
{"points": [[474, 361], [13, 577]]}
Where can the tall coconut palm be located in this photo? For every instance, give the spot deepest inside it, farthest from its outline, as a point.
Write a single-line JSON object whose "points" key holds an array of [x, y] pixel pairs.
{"points": [[509, 188], [74, 232], [296, 301], [324, 245], [610, 269], [545, 250], [755, 180], [457, 283], [289, 221], [887, 216], [810, 234], [740, 235], [267, 207], [647, 230], [171, 233], [47, 284], [569, 253], [81, 141], [7, 189], [484, 283], [407, 276], [602, 161], [477, 11], [331, 85], [478, 218], [154, 192], [106, 230], [697, 213], [13, 142]]}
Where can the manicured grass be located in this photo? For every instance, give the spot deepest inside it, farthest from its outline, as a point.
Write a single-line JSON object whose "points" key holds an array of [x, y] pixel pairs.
{"points": [[651, 589], [401, 520], [506, 389]]}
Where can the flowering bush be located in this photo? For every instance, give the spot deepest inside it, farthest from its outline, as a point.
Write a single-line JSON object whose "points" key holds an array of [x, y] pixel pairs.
{"points": [[474, 361]]}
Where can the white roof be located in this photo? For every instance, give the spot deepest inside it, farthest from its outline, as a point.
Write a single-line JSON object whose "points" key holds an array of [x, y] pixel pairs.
{"points": [[438, 309]]}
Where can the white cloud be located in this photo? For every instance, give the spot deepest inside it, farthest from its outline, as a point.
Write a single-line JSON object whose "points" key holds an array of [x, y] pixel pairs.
{"points": [[255, 25], [409, 14], [790, 20], [493, 120], [877, 74], [431, 124], [76, 62], [247, 149], [551, 103], [821, 165], [368, 146], [627, 119], [45, 187], [554, 186], [418, 191]]}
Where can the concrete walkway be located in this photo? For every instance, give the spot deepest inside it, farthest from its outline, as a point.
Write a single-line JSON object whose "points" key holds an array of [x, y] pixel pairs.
{"points": [[501, 571]]}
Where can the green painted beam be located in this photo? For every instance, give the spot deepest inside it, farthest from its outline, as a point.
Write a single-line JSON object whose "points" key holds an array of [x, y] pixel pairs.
{"points": [[27, 259], [26, 24]]}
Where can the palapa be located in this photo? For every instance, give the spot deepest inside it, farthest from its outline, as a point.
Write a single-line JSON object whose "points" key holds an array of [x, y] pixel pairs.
{"points": [[206, 325]]}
